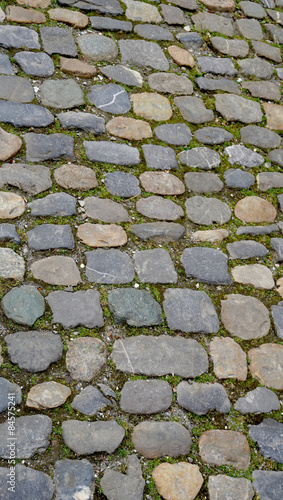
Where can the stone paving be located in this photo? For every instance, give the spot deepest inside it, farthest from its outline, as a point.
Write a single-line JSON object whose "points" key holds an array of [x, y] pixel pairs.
{"points": [[141, 202]]}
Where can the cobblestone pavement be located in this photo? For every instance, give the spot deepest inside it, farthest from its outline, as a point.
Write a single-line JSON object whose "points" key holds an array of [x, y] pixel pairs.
{"points": [[141, 202]]}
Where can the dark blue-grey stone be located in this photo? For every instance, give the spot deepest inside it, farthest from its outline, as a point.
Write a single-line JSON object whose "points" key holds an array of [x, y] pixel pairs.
{"points": [[135, 307], [109, 266], [122, 74], [25, 115], [260, 400], [201, 398], [18, 37], [107, 23], [110, 98], [246, 249], [71, 309], [108, 152], [58, 41], [159, 157], [206, 265], [268, 484], [49, 236], [143, 54], [48, 147], [155, 266], [8, 388], [89, 401], [122, 184], [29, 483], [23, 305], [73, 479], [34, 351], [5, 65], [190, 311], [124, 486], [277, 245], [255, 230], [32, 179], [111, 7], [243, 156], [217, 65], [35, 63], [152, 32], [57, 204], [277, 314], [32, 435], [83, 121], [212, 84], [203, 182], [177, 134], [8, 232], [204, 158], [238, 179], [145, 397], [269, 437], [213, 135], [16, 88], [190, 40], [160, 232]]}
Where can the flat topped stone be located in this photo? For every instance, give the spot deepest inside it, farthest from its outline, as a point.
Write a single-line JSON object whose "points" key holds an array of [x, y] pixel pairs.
{"points": [[216, 65], [123, 74], [110, 98], [47, 395], [156, 207], [190, 311], [249, 28], [245, 317], [206, 265], [260, 400], [146, 397], [276, 156], [16, 88], [8, 388], [155, 266], [61, 94], [218, 447], [177, 134], [268, 483], [204, 158], [182, 57], [10, 145], [5, 65], [223, 84], [11, 205], [243, 156], [56, 270], [161, 183], [71, 176], [193, 110], [58, 41], [98, 235], [123, 486], [111, 7], [25, 115], [76, 19], [213, 23], [203, 182], [159, 157], [263, 89], [86, 438], [85, 358], [200, 398], [268, 180], [32, 179], [12, 265], [34, 351], [233, 48], [23, 305], [267, 365], [122, 184], [38, 483], [159, 232], [260, 137], [107, 23], [151, 106], [273, 115], [89, 401], [206, 211], [8, 232], [172, 15], [56, 205], [256, 67], [255, 230], [179, 480], [105, 210], [73, 478], [246, 249], [75, 67], [152, 32], [41, 147], [135, 307], [170, 83], [18, 37], [158, 439], [21, 15], [213, 135], [108, 152], [32, 435], [252, 9], [143, 54], [268, 436], [71, 309], [145, 13], [220, 5], [109, 266], [267, 51], [256, 275], [211, 235], [229, 359], [129, 128], [255, 209], [236, 108]]}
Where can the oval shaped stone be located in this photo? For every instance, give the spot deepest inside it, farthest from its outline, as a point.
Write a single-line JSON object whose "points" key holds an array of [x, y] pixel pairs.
{"points": [[56, 270], [98, 235], [11, 205], [246, 317], [47, 395], [218, 447], [129, 128], [255, 209], [267, 365], [98, 47], [85, 358], [256, 275], [161, 183], [23, 305], [158, 439], [180, 481], [145, 397], [152, 106], [135, 307], [159, 208], [206, 211]]}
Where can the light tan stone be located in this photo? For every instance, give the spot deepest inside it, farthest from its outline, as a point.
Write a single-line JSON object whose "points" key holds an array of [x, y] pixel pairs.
{"points": [[41, 4], [143, 12], [25, 16], [77, 68], [11, 205], [279, 283], [181, 56], [75, 177], [2, 15], [76, 19], [267, 365], [47, 395], [229, 359], [256, 275], [128, 128], [218, 447], [244, 316], [219, 5], [238, 488], [56, 270], [211, 235], [98, 235], [162, 183], [180, 481], [10, 145], [255, 209], [151, 106], [274, 115], [85, 358]]}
